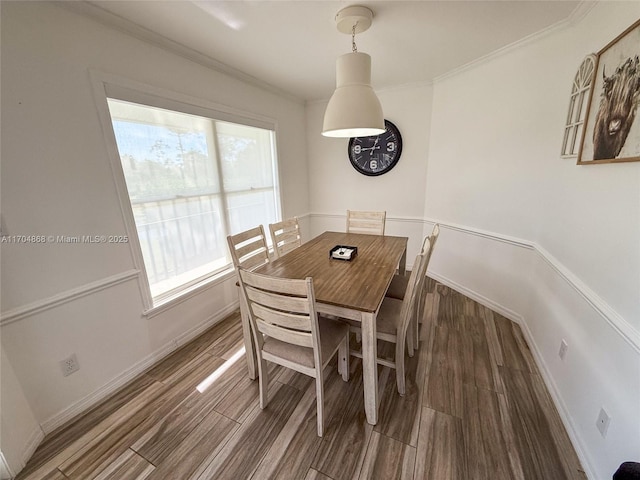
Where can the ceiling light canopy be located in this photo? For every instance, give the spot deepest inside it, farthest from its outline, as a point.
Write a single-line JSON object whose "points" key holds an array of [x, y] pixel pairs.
{"points": [[353, 110]]}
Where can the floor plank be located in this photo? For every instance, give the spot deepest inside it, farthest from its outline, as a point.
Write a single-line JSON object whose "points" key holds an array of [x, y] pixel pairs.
{"points": [[534, 429], [387, 458], [477, 367], [443, 379], [242, 454], [440, 449], [289, 456], [129, 466], [202, 443], [343, 447], [486, 447]]}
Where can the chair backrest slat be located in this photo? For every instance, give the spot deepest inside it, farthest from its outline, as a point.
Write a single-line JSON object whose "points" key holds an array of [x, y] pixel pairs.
{"points": [[283, 309], [285, 319], [277, 301], [285, 235], [304, 339], [249, 248], [254, 261], [372, 223]]}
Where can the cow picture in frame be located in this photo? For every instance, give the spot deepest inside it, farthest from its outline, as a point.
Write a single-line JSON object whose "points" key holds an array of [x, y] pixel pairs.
{"points": [[612, 128]]}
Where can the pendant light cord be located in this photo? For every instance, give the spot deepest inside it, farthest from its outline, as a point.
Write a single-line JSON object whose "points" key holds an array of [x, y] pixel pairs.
{"points": [[354, 48]]}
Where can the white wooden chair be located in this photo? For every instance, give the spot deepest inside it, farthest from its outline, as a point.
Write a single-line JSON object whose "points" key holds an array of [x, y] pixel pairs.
{"points": [[288, 331], [285, 236], [394, 319], [371, 223], [398, 285], [249, 250]]}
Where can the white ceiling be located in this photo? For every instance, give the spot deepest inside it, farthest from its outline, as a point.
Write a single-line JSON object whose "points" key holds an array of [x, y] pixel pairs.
{"points": [[292, 45]]}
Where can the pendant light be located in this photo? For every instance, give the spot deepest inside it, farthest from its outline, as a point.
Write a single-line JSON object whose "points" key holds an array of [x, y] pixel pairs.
{"points": [[353, 110]]}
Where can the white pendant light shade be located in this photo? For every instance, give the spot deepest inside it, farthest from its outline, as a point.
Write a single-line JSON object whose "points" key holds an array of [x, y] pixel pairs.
{"points": [[353, 110]]}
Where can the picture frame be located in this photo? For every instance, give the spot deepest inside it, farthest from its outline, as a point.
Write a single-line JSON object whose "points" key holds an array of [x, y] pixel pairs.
{"points": [[612, 127]]}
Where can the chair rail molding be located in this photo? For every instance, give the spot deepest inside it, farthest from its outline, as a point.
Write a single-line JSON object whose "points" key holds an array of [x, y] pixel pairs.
{"points": [[613, 318], [38, 306]]}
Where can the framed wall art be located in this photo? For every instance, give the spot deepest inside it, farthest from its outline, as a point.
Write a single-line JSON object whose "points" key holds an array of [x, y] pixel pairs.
{"points": [[612, 128]]}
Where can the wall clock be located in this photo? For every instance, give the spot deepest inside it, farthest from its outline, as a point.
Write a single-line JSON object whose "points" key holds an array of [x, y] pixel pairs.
{"points": [[376, 154]]}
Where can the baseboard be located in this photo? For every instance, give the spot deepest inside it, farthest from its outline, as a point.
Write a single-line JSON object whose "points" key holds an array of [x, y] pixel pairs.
{"points": [[482, 300], [103, 392]]}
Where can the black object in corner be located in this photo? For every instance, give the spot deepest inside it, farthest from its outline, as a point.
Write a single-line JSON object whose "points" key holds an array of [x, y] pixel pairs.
{"points": [[628, 471]]}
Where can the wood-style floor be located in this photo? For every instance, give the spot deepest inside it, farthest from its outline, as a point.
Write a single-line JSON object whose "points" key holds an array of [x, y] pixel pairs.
{"points": [[475, 408]]}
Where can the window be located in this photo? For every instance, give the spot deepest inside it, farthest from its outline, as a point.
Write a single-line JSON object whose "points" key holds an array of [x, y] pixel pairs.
{"points": [[577, 107], [191, 180]]}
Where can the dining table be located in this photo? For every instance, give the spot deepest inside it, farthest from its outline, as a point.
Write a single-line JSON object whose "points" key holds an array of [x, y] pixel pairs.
{"points": [[353, 289]]}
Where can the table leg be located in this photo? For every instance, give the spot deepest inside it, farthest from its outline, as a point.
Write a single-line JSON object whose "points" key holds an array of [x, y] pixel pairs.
{"points": [[402, 266], [250, 353], [370, 367]]}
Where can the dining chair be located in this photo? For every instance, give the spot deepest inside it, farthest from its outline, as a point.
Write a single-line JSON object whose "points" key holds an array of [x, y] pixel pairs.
{"points": [[394, 319], [285, 236], [249, 250], [371, 223], [398, 285], [288, 331]]}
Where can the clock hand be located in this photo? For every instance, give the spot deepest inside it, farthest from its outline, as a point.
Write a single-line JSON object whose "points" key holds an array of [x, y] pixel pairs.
{"points": [[375, 146]]}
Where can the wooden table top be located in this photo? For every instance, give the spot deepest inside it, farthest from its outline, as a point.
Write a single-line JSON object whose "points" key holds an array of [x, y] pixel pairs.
{"points": [[359, 284]]}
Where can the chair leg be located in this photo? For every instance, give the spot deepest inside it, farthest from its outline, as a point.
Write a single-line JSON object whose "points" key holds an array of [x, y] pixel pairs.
{"points": [[264, 382], [410, 338], [250, 346], [320, 403], [343, 359], [422, 296], [399, 361]]}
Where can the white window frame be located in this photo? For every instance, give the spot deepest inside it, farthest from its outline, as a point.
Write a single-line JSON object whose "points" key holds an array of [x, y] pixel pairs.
{"points": [[111, 86]]}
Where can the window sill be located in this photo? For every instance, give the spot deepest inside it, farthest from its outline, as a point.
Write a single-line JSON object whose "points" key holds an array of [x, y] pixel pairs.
{"points": [[170, 302]]}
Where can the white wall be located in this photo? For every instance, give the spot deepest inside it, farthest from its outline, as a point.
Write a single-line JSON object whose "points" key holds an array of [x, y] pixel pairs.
{"points": [[56, 180], [549, 243]]}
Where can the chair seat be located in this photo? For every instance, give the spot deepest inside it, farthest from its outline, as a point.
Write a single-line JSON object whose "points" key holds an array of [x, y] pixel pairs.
{"points": [[398, 287], [331, 333], [388, 318]]}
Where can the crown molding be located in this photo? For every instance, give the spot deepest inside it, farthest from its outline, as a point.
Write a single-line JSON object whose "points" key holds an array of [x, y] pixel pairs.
{"points": [[116, 22], [575, 17]]}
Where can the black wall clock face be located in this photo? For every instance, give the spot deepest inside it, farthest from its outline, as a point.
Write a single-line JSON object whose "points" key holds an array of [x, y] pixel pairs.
{"points": [[376, 154]]}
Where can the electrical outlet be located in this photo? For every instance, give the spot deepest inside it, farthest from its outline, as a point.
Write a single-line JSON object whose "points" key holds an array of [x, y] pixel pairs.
{"points": [[563, 349], [69, 365], [603, 422]]}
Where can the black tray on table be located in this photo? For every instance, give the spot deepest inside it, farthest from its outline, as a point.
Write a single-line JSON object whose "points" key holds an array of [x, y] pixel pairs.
{"points": [[343, 252]]}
